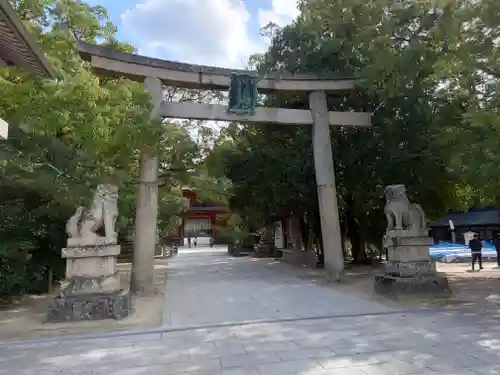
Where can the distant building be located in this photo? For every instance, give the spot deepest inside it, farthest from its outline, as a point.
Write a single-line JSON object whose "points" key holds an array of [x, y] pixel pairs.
{"points": [[485, 221], [18, 48], [287, 232], [201, 220]]}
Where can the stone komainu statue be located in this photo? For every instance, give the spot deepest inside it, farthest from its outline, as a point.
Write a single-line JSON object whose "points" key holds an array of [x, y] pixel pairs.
{"points": [[400, 213], [101, 214]]}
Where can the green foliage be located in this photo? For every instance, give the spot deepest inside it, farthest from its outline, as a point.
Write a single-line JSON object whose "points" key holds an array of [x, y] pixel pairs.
{"points": [[69, 134], [235, 229], [430, 75], [31, 241], [13, 267]]}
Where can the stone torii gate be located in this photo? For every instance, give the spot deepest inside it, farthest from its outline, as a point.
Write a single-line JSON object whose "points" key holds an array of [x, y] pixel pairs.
{"points": [[155, 73]]}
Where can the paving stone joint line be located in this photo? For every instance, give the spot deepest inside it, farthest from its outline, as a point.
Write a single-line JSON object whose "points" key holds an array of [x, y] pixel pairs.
{"points": [[221, 325]]}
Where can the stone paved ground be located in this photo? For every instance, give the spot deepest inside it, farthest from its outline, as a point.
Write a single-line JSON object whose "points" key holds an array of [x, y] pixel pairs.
{"points": [[25, 320], [207, 287], [375, 341]]}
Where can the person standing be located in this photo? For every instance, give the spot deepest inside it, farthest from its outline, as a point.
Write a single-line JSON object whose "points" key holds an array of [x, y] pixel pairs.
{"points": [[189, 242], [496, 243], [476, 246], [194, 243]]}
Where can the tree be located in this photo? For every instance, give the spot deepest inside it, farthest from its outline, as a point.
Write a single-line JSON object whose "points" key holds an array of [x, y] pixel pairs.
{"points": [[451, 47], [400, 51], [472, 84], [70, 134]]}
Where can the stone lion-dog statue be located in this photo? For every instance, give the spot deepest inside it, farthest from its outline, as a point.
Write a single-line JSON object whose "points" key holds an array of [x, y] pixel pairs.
{"points": [[400, 213], [101, 214]]}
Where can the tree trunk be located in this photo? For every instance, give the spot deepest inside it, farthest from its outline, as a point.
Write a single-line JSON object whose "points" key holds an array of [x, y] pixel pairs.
{"points": [[304, 233], [297, 232], [358, 250], [315, 224], [358, 245], [320, 255], [343, 229]]}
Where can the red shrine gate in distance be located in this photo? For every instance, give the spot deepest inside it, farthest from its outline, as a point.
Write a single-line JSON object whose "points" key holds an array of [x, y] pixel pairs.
{"points": [[201, 220]]}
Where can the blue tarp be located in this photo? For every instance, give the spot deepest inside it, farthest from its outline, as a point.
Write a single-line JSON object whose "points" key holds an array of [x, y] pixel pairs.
{"points": [[446, 252]]}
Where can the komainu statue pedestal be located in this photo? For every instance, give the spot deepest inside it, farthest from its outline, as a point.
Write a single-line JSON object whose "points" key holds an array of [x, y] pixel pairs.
{"points": [[266, 247], [409, 269], [91, 289]]}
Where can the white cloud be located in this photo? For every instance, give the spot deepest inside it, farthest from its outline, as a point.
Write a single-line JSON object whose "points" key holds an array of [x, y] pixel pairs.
{"points": [[210, 32], [282, 13]]}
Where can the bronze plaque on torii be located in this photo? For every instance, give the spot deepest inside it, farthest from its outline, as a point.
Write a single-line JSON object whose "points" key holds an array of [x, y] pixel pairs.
{"points": [[242, 94]]}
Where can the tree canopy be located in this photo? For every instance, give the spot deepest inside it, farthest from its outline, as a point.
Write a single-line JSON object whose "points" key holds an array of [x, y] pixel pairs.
{"points": [[429, 74], [72, 133]]}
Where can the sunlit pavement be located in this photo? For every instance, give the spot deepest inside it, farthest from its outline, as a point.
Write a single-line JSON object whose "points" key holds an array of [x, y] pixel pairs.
{"points": [[208, 287], [255, 321]]}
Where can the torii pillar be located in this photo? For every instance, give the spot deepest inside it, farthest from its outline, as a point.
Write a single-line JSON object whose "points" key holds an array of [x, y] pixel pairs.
{"points": [[147, 205], [325, 182]]}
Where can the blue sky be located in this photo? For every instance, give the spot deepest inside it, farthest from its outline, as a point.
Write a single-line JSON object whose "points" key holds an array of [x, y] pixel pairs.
{"points": [[117, 7], [213, 32]]}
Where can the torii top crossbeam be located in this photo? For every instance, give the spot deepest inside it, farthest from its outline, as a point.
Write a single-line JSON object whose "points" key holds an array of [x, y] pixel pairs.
{"points": [[176, 74]]}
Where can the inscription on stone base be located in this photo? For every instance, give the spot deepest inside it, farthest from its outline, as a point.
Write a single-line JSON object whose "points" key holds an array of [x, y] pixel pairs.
{"points": [[396, 287], [89, 252], [410, 269], [87, 285], [90, 241], [408, 253], [116, 305], [90, 267], [412, 233]]}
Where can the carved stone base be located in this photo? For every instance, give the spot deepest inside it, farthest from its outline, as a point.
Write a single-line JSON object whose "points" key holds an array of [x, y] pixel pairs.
{"points": [[90, 285], [409, 249], [407, 233], [90, 251], [278, 254], [410, 269], [265, 249], [117, 305], [91, 262], [262, 254], [239, 250], [91, 241], [397, 287]]}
